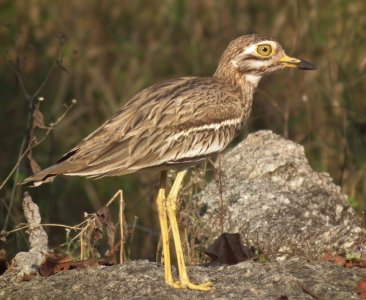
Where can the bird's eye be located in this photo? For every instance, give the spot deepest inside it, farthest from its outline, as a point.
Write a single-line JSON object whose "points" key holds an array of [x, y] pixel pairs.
{"points": [[264, 50]]}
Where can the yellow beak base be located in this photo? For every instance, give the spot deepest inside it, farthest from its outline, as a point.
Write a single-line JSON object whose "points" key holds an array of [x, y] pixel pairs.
{"points": [[291, 62]]}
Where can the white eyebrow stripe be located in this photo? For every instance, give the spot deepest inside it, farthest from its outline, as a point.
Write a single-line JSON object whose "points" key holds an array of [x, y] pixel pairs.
{"points": [[249, 49]]}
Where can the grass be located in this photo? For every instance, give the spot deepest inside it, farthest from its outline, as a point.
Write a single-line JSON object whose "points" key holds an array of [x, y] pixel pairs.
{"points": [[113, 50]]}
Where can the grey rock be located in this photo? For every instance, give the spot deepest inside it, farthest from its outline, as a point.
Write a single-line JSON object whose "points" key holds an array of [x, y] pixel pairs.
{"points": [[277, 202], [144, 280]]}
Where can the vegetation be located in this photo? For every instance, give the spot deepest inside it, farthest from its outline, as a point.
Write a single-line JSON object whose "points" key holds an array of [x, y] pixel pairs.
{"points": [[102, 52]]}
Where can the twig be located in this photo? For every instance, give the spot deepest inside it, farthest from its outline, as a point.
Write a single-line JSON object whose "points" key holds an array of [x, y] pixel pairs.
{"points": [[158, 247], [189, 257], [221, 197], [81, 229], [82, 244], [32, 104], [133, 231], [77, 227], [118, 193], [36, 143], [84, 226], [48, 75], [16, 70], [121, 226], [345, 158], [14, 169], [7, 208], [18, 229]]}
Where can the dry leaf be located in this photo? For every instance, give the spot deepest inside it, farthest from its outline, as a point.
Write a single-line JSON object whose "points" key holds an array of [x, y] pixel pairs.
{"points": [[361, 286], [228, 249], [105, 216], [328, 257], [100, 227], [38, 120], [363, 263], [56, 263], [33, 164], [339, 260]]}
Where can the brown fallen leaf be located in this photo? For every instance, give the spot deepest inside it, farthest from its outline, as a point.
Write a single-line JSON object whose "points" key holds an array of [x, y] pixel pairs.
{"points": [[339, 260], [361, 286], [52, 260], [328, 257], [56, 263], [362, 263], [228, 249], [343, 261], [349, 264]]}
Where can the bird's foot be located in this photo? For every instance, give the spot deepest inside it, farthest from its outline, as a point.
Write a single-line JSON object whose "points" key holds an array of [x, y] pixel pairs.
{"points": [[186, 284]]}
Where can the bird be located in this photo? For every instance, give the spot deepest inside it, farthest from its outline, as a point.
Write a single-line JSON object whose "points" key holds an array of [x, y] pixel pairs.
{"points": [[174, 125]]}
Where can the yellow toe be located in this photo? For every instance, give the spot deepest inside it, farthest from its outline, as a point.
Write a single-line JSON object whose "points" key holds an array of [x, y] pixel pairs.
{"points": [[205, 286]]}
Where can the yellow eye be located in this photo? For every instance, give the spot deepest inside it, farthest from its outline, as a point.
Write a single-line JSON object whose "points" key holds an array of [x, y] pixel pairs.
{"points": [[264, 50]]}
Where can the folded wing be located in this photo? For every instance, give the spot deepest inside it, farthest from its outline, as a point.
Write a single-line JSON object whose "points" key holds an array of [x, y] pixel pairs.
{"points": [[176, 122]]}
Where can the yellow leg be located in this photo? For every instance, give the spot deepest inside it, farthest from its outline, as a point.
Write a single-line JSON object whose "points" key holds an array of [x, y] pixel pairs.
{"points": [[171, 206], [162, 211]]}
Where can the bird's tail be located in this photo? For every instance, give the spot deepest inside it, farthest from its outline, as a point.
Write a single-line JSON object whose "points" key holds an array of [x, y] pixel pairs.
{"points": [[46, 175]]}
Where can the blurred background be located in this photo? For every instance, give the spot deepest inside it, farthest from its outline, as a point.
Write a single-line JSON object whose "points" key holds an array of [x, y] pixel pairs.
{"points": [[106, 51]]}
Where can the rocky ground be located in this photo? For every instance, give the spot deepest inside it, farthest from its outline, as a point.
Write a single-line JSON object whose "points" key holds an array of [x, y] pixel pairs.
{"points": [[294, 279]]}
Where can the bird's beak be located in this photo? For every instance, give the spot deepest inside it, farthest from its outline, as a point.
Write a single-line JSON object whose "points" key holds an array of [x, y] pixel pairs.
{"points": [[291, 62]]}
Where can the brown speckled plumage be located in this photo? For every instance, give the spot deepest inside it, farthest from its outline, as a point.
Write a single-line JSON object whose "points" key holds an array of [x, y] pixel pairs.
{"points": [[179, 121]]}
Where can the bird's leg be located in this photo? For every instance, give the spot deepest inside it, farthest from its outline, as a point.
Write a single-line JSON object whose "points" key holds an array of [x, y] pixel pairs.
{"points": [[171, 209], [162, 211]]}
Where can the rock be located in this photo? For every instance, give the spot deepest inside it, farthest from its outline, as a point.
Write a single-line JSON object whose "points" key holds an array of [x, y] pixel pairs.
{"points": [[26, 264], [278, 203], [294, 278]]}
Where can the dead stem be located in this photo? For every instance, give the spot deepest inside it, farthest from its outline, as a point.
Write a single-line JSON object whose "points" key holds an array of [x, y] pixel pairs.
{"points": [[121, 226], [32, 101]]}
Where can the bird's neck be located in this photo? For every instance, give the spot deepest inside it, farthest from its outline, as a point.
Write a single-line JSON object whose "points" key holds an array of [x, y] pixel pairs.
{"points": [[246, 82]]}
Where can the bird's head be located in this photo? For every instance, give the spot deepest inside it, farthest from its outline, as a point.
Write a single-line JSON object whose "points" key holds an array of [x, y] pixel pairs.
{"points": [[252, 56]]}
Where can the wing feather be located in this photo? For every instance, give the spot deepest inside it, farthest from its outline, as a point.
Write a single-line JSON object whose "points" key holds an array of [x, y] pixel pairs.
{"points": [[168, 123]]}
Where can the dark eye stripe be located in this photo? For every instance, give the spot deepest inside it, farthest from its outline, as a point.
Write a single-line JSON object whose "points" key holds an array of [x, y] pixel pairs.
{"points": [[256, 58]]}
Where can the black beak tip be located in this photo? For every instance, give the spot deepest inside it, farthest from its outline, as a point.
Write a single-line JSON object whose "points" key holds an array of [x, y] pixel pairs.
{"points": [[305, 65]]}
